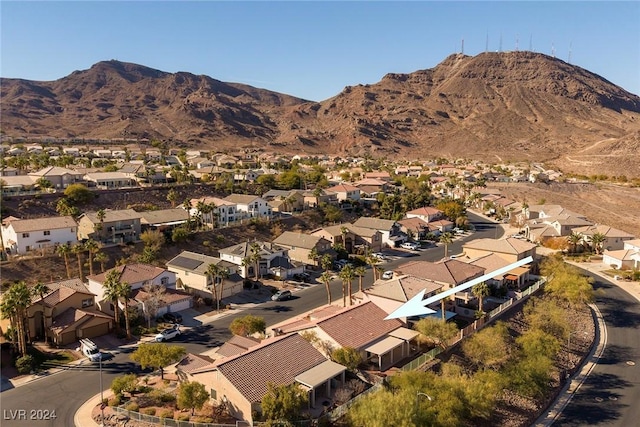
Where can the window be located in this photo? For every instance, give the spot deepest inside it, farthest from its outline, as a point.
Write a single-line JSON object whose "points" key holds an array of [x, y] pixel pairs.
{"points": [[87, 302], [47, 233], [214, 394], [164, 281], [25, 235]]}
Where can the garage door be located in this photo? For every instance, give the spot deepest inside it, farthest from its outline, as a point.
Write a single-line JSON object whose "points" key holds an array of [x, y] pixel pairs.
{"points": [[180, 305], [96, 330]]}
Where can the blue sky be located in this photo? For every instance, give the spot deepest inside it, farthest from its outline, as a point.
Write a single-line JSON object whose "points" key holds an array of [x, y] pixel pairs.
{"points": [[311, 49]]}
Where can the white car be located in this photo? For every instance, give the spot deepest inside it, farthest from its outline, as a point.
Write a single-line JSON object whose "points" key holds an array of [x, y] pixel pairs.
{"points": [[379, 255], [168, 334], [387, 275], [410, 245]]}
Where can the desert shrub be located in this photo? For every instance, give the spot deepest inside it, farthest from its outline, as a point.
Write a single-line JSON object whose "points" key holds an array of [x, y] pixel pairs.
{"points": [[343, 395], [25, 364], [220, 238], [132, 406], [202, 419], [166, 413], [115, 400], [149, 411], [183, 417]]}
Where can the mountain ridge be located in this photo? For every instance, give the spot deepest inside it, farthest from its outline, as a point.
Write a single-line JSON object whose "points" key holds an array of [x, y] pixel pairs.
{"points": [[509, 105]]}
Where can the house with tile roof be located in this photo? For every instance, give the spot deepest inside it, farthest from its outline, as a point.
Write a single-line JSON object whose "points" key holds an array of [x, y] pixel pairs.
{"points": [[68, 311], [415, 227], [614, 238], [117, 226], [426, 213], [137, 275], [392, 236], [345, 192], [109, 180], [301, 245], [622, 259], [315, 198], [249, 206], [285, 200], [191, 273], [515, 278], [224, 211], [59, 177], [510, 249], [241, 380], [20, 236], [163, 219], [268, 252]]}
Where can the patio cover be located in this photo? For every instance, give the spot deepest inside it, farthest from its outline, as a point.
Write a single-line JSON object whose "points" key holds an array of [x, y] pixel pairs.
{"points": [[385, 346], [320, 374], [404, 334]]}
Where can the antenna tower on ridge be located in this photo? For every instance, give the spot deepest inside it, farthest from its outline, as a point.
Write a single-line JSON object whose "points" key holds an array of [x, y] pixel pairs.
{"points": [[553, 50], [486, 43], [462, 48], [569, 61]]}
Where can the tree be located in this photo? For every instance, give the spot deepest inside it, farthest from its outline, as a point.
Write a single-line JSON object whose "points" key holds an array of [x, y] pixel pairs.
{"points": [[214, 270], [332, 213], [78, 250], [481, 290], [360, 272], [247, 325], [101, 258], [155, 294], [489, 347], [124, 384], [446, 239], [112, 292], [125, 291], [92, 247], [256, 257], [548, 316], [78, 194], [325, 278], [153, 239], [14, 307], [348, 357], [326, 262], [179, 234], [172, 197], [597, 239], [101, 215], [314, 256], [64, 207], [536, 341], [347, 275], [192, 395], [566, 283], [436, 330], [574, 239], [283, 402], [39, 290], [64, 250], [157, 355]]}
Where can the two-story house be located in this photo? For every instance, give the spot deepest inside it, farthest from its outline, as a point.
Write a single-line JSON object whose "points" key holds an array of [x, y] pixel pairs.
{"points": [[249, 206], [20, 236], [285, 200], [426, 213], [59, 177], [390, 230], [268, 257], [509, 249], [345, 192], [300, 246], [117, 226], [192, 274]]}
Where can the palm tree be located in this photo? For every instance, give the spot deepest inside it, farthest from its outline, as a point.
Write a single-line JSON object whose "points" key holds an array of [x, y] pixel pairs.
{"points": [[223, 274], [446, 238], [40, 289], [125, 290], [373, 262], [360, 272], [256, 257], [14, 307], [64, 250], [574, 239], [112, 291], [481, 290], [78, 249], [325, 278], [92, 247], [346, 274], [201, 207], [326, 262], [314, 256], [101, 215], [597, 240], [101, 258], [213, 270], [343, 232]]}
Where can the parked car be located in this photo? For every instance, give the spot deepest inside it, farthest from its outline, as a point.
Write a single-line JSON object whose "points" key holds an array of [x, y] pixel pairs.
{"points": [[281, 296], [387, 275], [168, 334], [302, 277], [379, 255], [90, 350], [172, 317], [413, 246]]}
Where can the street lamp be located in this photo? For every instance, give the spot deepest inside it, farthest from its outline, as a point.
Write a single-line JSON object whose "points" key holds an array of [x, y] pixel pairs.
{"points": [[418, 394], [101, 391]]}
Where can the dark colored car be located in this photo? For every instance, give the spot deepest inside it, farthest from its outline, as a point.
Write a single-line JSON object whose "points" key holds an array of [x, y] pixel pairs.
{"points": [[172, 318]]}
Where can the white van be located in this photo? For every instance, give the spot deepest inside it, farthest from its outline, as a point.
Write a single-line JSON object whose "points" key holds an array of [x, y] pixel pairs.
{"points": [[90, 350]]}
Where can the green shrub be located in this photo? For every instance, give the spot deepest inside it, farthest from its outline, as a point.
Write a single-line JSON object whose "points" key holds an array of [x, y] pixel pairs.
{"points": [[132, 406], [166, 413], [149, 411], [25, 364], [115, 400]]}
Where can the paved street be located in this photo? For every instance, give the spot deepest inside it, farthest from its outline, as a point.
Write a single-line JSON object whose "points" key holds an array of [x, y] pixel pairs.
{"points": [[66, 391]]}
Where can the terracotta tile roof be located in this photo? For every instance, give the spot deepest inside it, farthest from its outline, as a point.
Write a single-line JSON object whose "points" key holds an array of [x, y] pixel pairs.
{"points": [[277, 361], [38, 224], [358, 325], [452, 272], [507, 246], [131, 273], [169, 296], [590, 230], [489, 262], [343, 188], [426, 210], [73, 315], [402, 288], [192, 362], [59, 291], [415, 224]]}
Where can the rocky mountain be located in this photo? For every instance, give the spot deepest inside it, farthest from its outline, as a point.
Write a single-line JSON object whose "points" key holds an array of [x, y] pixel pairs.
{"points": [[507, 105]]}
